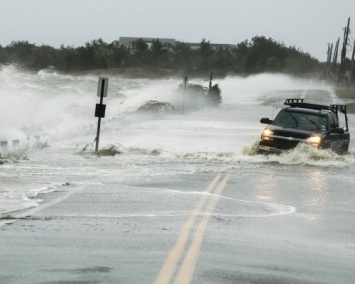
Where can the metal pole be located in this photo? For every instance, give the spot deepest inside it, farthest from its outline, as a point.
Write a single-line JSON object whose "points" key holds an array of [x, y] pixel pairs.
{"points": [[99, 119], [183, 98], [98, 134]]}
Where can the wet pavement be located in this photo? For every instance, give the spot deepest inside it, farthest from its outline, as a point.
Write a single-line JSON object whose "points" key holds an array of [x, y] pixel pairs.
{"points": [[264, 228]]}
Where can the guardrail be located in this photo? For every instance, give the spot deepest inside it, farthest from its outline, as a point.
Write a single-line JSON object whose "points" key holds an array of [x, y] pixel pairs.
{"points": [[16, 145]]}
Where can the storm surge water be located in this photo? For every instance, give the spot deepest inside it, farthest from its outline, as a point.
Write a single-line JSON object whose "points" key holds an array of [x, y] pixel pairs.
{"points": [[168, 137]]}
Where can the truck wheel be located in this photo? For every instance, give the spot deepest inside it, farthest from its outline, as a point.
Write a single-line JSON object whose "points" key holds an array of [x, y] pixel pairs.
{"points": [[345, 148]]}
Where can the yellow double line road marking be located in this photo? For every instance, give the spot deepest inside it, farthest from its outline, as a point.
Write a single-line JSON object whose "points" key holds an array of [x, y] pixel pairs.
{"points": [[304, 92], [187, 268]]}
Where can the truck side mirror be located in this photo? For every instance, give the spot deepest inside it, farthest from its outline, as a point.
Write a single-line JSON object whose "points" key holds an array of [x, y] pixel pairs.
{"points": [[266, 120], [337, 130]]}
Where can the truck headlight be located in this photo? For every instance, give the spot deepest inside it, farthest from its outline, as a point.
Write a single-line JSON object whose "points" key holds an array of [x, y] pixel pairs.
{"points": [[314, 140], [266, 134]]}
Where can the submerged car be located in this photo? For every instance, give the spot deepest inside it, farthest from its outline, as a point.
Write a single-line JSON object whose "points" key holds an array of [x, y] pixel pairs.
{"points": [[300, 122]]}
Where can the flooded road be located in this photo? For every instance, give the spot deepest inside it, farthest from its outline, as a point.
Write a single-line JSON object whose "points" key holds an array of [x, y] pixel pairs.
{"points": [[267, 224], [187, 200]]}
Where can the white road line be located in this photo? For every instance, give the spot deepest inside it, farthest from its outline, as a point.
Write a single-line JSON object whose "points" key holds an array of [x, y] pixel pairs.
{"points": [[304, 92], [34, 210]]}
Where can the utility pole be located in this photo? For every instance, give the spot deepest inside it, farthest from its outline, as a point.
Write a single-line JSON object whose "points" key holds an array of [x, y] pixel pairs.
{"points": [[329, 60], [351, 66], [335, 59], [343, 54]]}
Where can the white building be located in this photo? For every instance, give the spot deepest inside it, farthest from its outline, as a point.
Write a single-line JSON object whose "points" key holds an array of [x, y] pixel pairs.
{"points": [[130, 42]]}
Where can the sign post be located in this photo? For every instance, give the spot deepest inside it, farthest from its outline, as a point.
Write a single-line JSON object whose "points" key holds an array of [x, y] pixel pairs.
{"points": [[100, 108], [184, 94]]}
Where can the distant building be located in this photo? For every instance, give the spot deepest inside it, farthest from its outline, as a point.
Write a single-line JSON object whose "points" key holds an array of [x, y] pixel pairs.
{"points": [[168, 42], [216, 46], [130, 41]]}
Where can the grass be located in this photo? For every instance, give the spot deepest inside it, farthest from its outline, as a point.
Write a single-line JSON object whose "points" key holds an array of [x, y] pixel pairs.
{"points": [[347, 94], [109, 151]]}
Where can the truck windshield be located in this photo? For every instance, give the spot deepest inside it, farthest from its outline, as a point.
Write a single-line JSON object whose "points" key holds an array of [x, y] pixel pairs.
{"points": [[300, 120]]}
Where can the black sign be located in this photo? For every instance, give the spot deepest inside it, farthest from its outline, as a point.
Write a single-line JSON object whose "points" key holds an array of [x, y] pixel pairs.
{"points": [[100, 110]]}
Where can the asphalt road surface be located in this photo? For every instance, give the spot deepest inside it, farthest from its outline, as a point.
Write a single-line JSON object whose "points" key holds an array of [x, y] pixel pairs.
{"points": [[266, 223]]}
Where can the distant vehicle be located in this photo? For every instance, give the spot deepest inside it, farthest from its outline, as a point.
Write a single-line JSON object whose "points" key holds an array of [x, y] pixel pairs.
{"points": [[300, 122]]}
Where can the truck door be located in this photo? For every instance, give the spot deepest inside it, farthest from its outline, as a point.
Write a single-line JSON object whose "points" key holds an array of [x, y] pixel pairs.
{"points": [[336, 139]]}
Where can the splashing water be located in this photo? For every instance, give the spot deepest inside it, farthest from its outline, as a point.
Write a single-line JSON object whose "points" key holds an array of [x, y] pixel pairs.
{"points": [[57, 107], [303, 154]]}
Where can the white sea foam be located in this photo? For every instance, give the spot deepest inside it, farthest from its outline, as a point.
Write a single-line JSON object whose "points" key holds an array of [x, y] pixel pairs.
{"points": [[55, 106]]}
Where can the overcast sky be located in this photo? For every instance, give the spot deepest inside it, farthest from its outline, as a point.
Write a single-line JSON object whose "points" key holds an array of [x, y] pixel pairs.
{"points": [[306, 24]]}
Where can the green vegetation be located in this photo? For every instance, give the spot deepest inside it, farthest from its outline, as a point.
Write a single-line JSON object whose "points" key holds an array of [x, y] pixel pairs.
{"points": [[347, 94], [143, 60]]}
